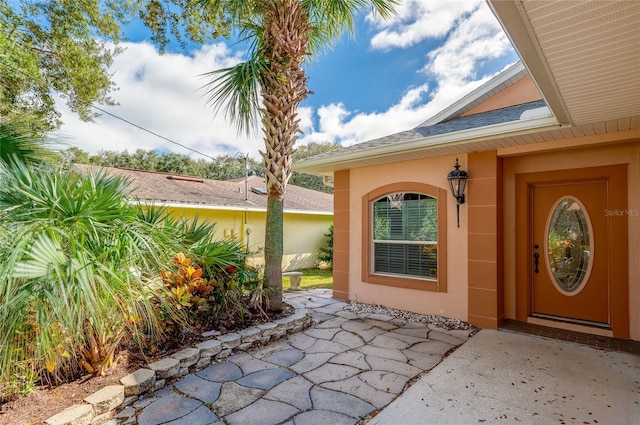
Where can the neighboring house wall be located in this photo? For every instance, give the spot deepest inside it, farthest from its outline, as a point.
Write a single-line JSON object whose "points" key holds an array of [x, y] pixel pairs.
{"points": [[303, 233], [308, 214]]}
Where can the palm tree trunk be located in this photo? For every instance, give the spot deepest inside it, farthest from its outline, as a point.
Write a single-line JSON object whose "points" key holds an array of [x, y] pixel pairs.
{"points": [[273, 249], [283, 87]]}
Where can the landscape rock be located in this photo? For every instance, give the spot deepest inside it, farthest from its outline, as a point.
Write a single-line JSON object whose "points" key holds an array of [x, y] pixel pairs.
{"points": [[230, 340], [106, 399], [188, 357], [250, 335], [209, 348], [138, 382], [165, 368], [80, 414]]}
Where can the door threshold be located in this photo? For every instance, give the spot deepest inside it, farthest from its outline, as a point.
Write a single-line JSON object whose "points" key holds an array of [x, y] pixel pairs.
{"points": [[569, 326], [600, 342]]}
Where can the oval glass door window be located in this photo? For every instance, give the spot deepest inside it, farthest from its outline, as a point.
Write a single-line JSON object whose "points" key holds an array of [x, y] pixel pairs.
{"points": [[569, 245]]}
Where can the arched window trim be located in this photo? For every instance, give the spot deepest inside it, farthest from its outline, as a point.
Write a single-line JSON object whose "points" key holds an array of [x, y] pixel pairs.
{"points": [[439, 284]]}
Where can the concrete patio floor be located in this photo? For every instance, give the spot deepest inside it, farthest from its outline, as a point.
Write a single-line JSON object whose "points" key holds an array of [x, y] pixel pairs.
{"points": [[508, 378]]}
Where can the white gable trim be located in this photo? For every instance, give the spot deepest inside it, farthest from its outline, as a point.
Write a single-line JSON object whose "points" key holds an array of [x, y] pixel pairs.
{"points": [[484, 89], [459, 138]]}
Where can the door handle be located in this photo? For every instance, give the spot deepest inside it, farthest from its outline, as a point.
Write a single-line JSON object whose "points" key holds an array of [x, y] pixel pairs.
{"points": [[536, 258]]}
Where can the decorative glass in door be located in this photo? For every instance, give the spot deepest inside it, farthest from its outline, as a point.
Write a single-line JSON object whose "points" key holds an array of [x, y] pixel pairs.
{"points": [[569, 246]]}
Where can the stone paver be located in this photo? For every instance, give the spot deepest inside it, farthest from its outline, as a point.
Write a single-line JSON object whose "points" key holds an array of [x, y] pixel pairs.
{"points": [[235, 397], [341, 369], [221, 372], [315, 417], [262, 412], [168, 408], [331, 372], [266, 379], [294, 391], [352, 358], [311, 361], [358, 388], [250, 364], [195, 387], [285, 358], [202, 415], [325, 399]]}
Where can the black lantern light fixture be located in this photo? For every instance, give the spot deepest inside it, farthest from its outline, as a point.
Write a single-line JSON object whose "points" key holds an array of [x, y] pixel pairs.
{"points": [[457, 183]]}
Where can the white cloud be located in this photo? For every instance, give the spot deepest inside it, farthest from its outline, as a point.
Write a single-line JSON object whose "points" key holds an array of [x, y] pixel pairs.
{"points": [[162, 93], [471, 36], [337, 123], [419, 20], [476, 40]]}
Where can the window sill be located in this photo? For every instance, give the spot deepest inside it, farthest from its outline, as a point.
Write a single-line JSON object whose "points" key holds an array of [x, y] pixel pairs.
{"points": [[404, 282]]}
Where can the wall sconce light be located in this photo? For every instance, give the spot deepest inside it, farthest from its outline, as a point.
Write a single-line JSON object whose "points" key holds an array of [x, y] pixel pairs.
{"points": [[457, 183]]}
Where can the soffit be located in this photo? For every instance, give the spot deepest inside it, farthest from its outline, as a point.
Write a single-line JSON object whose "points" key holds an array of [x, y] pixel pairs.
{"points": [[584, 55], [412, 149]]}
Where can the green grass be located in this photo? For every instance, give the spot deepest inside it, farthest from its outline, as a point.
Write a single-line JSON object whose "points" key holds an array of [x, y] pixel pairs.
{"points": [[312, 278]]}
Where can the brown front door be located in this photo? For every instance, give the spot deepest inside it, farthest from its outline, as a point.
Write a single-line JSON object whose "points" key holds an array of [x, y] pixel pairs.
{"points": [[572, 248], [570, 279]]}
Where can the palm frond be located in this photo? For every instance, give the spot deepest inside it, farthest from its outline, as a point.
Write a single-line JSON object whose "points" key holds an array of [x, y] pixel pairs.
{"points": [[331, 18], [75, 260], [235, 91], [16, 144]]}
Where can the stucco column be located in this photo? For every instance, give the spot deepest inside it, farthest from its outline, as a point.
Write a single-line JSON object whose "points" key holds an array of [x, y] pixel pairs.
{"points": [[485, 240], [341, 187]]}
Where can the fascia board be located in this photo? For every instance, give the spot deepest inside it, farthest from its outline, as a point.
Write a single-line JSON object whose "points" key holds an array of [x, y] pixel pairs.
{"points": [[211, 207], [305, 212], [456, 138], [475, 94]]}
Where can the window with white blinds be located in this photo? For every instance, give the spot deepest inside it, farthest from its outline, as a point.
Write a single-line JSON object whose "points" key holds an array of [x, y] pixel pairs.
{"points": [[405, 235]]}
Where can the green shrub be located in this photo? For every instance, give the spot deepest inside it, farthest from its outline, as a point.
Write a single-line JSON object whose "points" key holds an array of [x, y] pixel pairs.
{"points": [[78, 270], [326, 253]]}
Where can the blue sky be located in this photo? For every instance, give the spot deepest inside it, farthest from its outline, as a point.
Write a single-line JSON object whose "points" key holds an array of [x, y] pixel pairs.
{"points": [[391, 76]]}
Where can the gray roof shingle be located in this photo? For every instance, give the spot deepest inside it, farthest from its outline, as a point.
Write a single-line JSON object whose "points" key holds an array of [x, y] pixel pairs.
{"points": [[170, 188], [484, 119]]}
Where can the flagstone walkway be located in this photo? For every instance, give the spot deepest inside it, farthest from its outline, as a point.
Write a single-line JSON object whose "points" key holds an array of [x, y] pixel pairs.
{"points": [[340, 370]]}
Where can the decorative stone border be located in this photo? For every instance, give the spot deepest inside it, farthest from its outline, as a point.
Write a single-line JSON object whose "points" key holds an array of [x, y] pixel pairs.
{"points": [[99, 407]]}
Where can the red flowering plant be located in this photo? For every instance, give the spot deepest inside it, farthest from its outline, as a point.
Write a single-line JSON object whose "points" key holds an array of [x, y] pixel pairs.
{"points": [[211, 287], [186, 283]]}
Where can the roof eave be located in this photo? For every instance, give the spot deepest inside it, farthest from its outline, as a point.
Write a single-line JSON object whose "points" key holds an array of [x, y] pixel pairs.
{"points": [[212, 207], [327, 165], [518, 29]]}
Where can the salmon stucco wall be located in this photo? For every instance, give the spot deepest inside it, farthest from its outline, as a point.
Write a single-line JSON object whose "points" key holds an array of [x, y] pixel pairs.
{"points": [[527, 161], [431, 171], [484, 210], [303, 233]]}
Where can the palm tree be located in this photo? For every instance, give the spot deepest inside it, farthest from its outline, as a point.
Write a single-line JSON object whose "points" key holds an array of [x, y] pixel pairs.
{"points": [[270, 85]]}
